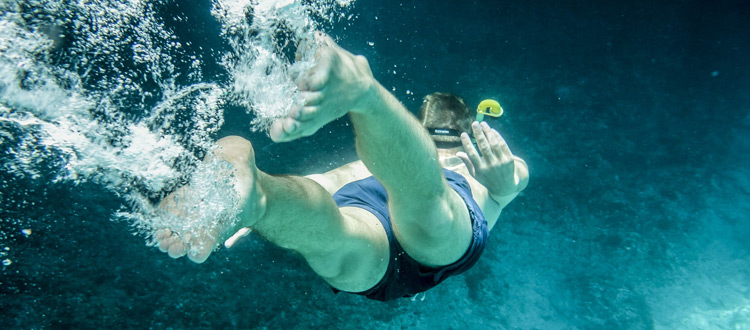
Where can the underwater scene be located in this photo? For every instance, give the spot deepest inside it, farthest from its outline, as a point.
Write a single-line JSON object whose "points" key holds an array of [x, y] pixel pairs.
{"points": [[633, 118]]}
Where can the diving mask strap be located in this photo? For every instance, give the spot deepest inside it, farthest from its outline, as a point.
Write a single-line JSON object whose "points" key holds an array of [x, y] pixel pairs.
{"points": [[444, 132]]}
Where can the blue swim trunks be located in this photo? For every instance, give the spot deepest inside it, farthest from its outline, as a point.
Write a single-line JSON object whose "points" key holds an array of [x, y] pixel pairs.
{"points": [[405, 277]]}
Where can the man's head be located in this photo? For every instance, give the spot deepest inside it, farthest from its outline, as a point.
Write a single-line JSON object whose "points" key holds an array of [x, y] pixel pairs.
{"points": [[445, 116]]}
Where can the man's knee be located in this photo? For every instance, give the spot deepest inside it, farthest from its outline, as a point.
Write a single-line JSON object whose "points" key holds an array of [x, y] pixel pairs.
{"points": [[235, 149], [234, 141]]}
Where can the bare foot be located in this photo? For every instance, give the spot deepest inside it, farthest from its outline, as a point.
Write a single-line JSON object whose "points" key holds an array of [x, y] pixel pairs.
{"points": [[230, 219], [338, 83], [197, 248]]}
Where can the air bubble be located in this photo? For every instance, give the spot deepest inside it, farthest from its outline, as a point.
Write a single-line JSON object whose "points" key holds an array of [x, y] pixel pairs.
{"points": [[125, 104]]}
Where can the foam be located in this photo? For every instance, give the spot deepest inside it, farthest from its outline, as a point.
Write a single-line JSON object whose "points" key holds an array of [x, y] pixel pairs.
{"points": [[100, 92]]}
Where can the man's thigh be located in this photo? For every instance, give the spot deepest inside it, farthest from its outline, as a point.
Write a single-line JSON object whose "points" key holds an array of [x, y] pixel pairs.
{"points": [[364, 260]]}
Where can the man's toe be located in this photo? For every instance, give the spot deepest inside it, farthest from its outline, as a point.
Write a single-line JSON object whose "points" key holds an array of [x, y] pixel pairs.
{"points": [[277, 131], [164, 244], [284, 130], [198, 254], [177, 250]]}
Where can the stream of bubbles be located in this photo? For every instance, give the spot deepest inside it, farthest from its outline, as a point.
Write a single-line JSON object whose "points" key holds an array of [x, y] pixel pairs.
{"points": [[106, 92]]}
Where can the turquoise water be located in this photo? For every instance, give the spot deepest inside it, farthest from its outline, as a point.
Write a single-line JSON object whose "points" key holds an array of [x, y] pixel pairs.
{"points": [[634, 119]]}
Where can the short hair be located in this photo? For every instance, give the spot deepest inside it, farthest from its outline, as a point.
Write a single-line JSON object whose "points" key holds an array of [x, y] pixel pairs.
{"points": [[445, 111]]}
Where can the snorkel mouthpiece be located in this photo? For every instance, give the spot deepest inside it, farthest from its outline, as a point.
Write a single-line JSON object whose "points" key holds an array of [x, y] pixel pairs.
{"points": [[488, 107]]}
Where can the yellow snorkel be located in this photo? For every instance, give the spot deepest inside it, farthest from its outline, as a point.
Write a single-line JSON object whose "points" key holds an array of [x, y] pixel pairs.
{"points": [[488, 107]]}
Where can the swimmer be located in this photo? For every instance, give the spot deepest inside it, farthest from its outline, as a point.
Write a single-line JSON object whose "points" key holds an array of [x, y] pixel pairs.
{"points": [[415, 209]]}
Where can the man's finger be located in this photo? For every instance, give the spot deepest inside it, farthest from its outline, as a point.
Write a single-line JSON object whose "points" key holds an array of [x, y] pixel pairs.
{"points": [[486, 129], [491, 139], [499, 146], [471, 152], [482, 143]]}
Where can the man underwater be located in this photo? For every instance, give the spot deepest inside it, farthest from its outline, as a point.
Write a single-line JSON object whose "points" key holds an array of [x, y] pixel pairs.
{"points": [[399, 221]]}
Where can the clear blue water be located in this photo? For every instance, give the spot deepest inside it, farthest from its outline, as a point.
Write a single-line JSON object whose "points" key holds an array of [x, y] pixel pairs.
{"points": [[634, 119]]}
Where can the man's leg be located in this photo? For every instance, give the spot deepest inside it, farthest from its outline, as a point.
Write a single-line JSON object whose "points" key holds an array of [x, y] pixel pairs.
{"points": [[430, 220], [346, 247]]}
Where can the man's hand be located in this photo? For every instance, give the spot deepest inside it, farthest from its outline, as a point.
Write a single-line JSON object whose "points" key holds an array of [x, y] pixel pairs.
{"points": [[496, 167]]}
